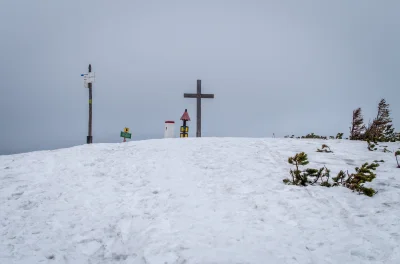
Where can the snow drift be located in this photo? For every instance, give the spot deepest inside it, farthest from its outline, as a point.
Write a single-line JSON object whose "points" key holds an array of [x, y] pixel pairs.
{"points": [[196, 200]]}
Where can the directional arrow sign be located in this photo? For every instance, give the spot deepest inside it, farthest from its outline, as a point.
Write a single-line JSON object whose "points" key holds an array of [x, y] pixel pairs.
{"points": [[126, 135]]}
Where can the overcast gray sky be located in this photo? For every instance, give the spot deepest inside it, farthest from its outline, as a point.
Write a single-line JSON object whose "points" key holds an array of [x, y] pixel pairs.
{"points": [[283, 67]]}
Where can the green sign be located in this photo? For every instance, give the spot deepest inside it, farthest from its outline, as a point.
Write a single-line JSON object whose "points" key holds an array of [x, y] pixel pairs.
{"points": [[126, 135]]}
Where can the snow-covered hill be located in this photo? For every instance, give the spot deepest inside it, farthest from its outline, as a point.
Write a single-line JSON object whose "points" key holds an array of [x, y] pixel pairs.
{"points": [[208, 200]]}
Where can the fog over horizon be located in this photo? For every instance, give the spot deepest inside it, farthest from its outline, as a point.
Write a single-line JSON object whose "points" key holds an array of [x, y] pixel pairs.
{"points": [[282, 67]]}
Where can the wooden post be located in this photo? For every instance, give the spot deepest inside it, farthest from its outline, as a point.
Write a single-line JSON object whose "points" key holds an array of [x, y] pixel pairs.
{"points": [[198, 96], [198, 110], [89, 137]]}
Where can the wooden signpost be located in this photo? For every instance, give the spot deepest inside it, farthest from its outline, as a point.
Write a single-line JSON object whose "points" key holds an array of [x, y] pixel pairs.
{"points": [[88, 79], [125, 134]]}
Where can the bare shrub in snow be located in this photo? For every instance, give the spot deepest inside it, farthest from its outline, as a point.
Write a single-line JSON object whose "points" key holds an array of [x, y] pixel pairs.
{"points": [[325, 148]]}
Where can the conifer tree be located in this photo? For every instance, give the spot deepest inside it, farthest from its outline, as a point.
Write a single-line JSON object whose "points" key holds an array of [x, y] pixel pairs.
{"points": [[381, 127], [389, 134], [357, 125]]}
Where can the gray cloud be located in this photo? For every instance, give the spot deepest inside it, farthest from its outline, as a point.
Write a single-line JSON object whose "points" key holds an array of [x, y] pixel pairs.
{"points": [[290, 67]]}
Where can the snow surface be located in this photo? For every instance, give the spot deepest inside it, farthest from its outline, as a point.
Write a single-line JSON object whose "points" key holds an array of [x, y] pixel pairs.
{"points": [[195, 200]]}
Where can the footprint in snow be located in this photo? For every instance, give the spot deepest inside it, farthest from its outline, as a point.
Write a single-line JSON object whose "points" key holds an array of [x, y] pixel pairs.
{"points": [[119, 257], [89, 246], [28, 205], [350, 162], [15, 196], [21, 187]]}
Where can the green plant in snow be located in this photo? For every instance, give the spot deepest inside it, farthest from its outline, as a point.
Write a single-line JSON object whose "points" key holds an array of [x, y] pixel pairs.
{"points": [[371, 146], [385, 149], [356, 181], [339, 136], [338, 180], [308, 176], [298, 177], [322, 174], [312, 135]]}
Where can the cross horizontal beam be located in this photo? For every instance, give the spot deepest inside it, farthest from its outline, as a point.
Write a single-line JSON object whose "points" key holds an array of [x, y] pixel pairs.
{"points": [[187, 95]]}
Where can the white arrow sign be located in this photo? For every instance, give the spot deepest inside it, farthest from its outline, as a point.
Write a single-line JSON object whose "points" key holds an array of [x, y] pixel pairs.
{"points": [[88, 78]]}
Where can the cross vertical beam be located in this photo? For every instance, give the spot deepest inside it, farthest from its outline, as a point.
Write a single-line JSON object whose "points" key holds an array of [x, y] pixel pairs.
{"points": [[198, 96], [198, 110]]}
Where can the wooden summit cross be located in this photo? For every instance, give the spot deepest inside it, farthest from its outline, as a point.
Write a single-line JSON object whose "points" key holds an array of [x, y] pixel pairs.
{"points": [[198, 96]]}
